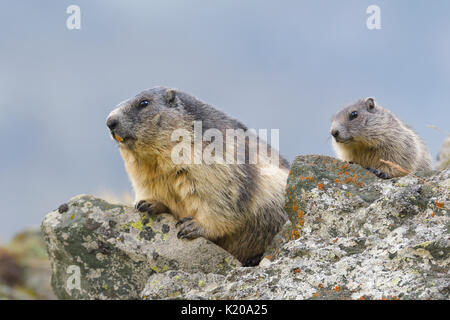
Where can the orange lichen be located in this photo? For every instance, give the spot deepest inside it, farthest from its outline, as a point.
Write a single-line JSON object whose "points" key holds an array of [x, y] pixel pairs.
{"points": [[309, 178], [433, 214], [344, 167], [361, 298], [337, 181], [297, 270], [337, 289], [320, 186], [390, 297], [301, 217], [295, 234], [301, 178], [320, 285], [439, 205], [315, 294], [349, 179], [335, 240]]}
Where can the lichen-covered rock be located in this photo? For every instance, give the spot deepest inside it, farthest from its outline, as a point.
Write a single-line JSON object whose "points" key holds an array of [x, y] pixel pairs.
{"points": [[443, 159], [350, 236], [104, 251], [353, 236]]}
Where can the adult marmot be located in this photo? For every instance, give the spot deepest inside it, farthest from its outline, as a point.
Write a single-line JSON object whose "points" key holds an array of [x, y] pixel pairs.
{"points": [[235, 205], [365, 132]]}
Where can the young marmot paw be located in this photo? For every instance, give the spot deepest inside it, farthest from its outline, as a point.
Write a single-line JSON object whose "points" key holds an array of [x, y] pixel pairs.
{"points": [[379, 174], [189, 229]]}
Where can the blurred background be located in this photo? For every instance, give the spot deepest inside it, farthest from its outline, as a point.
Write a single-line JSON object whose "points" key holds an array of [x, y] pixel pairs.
{"points": [[272, 64]]}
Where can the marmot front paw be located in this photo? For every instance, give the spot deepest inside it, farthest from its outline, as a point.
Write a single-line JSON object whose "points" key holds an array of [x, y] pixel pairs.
{"points": [[379, 174], [189, 229], [157, 207]]}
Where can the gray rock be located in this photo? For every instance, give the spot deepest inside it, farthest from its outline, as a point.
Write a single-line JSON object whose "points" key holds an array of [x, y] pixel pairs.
{"points": [[443, 159], [350, 236], [103, 251]]}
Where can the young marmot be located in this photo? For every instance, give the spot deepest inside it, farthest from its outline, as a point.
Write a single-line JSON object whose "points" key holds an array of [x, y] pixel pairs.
{"points": [[365, 132], [235, 205]]}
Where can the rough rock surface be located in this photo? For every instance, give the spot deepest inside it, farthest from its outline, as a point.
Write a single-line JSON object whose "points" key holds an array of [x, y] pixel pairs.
{"points": [[351, 236], [103, 251], [443, 159]]}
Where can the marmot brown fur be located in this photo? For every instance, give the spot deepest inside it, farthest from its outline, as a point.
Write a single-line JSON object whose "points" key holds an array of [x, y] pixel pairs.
{"points": [[234, 205], [365, 132]]}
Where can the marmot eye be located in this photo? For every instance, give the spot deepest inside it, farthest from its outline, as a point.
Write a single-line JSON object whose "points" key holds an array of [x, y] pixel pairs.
{"points": [[353, 115], [144, 103]]}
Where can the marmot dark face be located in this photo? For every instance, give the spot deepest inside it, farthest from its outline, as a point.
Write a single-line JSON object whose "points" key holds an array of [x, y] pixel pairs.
{"points": [[136, 124], [353, 124]]}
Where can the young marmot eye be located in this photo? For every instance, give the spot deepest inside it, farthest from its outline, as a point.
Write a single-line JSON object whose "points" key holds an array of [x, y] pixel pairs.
{"points": [[353, 115], [144, 103]]}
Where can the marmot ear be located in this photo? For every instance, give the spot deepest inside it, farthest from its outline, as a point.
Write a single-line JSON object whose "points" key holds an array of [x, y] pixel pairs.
{"points": [[370, 104], [170, 96]]}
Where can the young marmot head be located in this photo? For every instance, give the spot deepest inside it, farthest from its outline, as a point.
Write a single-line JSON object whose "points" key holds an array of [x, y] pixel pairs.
{"points": [[144, 123], [358, 123]]}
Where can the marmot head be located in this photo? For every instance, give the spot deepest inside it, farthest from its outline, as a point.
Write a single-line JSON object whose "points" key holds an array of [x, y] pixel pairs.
{"points": [[357, 123], [145, 122]]}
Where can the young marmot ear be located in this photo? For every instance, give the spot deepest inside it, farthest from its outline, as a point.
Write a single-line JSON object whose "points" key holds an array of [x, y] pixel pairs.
{"points": [[170, 96], [370, 104]]}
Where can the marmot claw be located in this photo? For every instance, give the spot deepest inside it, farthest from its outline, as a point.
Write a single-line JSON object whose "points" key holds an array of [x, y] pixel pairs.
{"points": [[143, 206], [189, 229], [151, 207], [379, 174]]}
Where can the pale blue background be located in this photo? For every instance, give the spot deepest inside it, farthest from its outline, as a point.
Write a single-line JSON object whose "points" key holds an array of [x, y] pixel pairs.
{"points": [[272, 64]]}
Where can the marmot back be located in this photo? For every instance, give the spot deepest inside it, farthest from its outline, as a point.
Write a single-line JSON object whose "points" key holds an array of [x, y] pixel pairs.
{"points": [[365, 132], [234, 205]]}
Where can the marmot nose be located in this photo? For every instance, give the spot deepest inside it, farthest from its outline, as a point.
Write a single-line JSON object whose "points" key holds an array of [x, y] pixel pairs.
{"points": [[334, 133], [111, 123]]}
